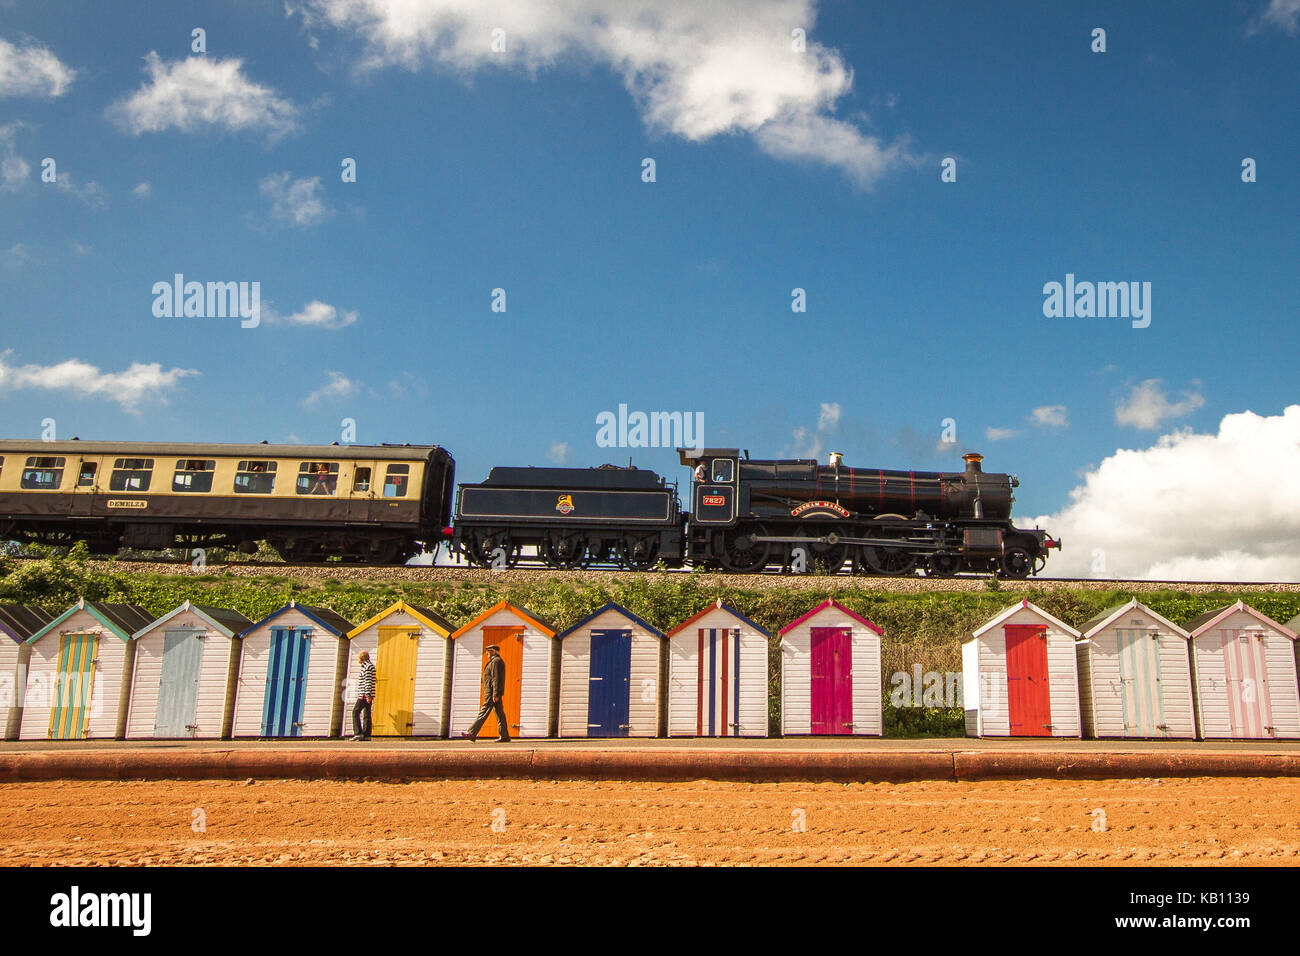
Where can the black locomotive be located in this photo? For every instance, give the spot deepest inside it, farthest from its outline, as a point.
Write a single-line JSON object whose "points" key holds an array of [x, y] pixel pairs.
{"points": [[750, 515]]}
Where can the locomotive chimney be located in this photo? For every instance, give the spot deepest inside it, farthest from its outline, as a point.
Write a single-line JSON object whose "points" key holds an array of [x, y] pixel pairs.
{"points": [[973, 460], [836, 459]]}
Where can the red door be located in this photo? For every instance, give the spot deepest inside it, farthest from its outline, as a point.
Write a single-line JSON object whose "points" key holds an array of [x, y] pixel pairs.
{"points": [[1029, 703], [832, 680]]}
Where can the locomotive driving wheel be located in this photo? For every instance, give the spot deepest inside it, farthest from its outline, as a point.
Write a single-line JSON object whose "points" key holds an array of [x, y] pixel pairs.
{"points": [[1017, 563], [943, 564], [742, 554], [889, 561], [827, 556]]}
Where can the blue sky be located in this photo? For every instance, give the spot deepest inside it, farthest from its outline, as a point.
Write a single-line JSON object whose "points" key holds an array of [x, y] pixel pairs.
{"points": [[521, 170]]}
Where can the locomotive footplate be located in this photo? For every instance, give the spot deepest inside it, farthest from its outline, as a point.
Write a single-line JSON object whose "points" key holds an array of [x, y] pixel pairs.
{"points": [[834, 539]]}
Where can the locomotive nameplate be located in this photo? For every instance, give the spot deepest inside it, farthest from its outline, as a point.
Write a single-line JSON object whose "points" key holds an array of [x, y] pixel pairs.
{"points": [[713, 499], [819, 508], [126, 503]]}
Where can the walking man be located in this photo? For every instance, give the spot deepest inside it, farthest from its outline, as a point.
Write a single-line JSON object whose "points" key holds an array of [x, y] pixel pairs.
{"points": [[494, 688], [365, 698]]}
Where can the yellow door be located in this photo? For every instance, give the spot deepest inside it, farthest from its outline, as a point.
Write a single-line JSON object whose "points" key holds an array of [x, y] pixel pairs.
{"points": [[395, 681]]}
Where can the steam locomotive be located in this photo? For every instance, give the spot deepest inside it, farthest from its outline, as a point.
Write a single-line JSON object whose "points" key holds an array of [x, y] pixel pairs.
{"points": [[750, 515]]}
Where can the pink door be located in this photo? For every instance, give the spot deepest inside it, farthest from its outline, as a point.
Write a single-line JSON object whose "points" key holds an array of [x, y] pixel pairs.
{"points": [[832, 680], [1029, 700], [1250, 711]]}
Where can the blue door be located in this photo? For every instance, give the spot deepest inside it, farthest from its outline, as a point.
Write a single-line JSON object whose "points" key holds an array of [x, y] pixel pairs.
{"points": [[178, 691], [609, 689], [286, 682]]}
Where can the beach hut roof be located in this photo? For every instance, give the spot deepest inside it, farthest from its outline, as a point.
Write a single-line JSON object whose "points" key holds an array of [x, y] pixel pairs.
{"points": [[1024, 604], [122, 619], [517, 611], [715, 606], [429, 618], [1203, 622], [228, 622], [831, 603], [617, 608], [21, 621], [1107, 617], [334, 623]]}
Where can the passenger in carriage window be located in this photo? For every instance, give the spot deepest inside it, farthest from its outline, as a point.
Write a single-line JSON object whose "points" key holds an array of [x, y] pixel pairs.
{"points": [[322, 486]]}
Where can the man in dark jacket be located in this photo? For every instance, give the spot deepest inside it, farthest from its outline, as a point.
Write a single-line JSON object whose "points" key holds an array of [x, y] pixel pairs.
{"points": [[494, 689]]}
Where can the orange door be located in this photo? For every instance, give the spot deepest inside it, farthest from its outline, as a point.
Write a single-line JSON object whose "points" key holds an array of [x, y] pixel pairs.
{"points": [[511, 642]]}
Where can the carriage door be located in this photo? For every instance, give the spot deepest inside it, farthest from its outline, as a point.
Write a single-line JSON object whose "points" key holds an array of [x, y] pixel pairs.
{"points": [[608, 690], [286, 682], [178, 691], [75, 684], [511, 642], [394, 710], [832, 680], [1029, 709], [1250, 711], [361, 493], [1140, 688], [717, 701]]}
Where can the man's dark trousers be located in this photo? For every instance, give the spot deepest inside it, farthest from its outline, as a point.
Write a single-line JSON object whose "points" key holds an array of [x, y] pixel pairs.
{"points": [[488, 707], [361, 717]]}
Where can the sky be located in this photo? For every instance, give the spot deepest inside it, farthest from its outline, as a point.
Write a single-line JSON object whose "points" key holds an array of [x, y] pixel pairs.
{"points": [[823, 226]]}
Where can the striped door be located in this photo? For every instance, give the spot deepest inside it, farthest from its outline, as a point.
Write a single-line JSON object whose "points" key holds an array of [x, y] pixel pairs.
{"points": [[717, 701], [511, 642], [1029, 705], [832, 680], [394, 710], [609, 699], [178, 691], [75, 685], [1250, 710], [1140, 687], [286, 682]]}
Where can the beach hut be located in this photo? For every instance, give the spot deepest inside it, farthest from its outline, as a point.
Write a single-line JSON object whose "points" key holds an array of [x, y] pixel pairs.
{"points": [[79, 672], [717, 675], [408, 645], [830, 673], [610, 676], [531, 656], [1135, 675], [1020, 676], [1244, 671], [185, 674], [18, 622], [291, 674]]}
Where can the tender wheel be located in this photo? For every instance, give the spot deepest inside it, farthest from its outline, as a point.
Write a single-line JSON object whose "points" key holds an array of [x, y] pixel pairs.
{"points": [[1017, 563], [639, 553], [890, 561], [944, 564], [564, 551], [742, 554], [482, 548]]}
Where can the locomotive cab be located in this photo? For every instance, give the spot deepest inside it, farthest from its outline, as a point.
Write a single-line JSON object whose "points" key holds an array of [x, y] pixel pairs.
{"points": [[713, 481]]}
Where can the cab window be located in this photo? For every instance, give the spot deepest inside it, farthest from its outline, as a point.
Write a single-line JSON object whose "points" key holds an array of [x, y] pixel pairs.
{"points": [[318, 477], [131, 474], [255, 478], [395, 481], [43, 474], [193, 475], [723, 470]]}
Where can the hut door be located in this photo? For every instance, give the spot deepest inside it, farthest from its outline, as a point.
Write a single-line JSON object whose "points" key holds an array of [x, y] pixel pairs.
{"points": [[511, 642], [717, 701], [1250, 711], [70, 715], [608, 689], [832, 680], [1029, 708], [286, 682], [178, 691], [395, 681], [1140, 689]]}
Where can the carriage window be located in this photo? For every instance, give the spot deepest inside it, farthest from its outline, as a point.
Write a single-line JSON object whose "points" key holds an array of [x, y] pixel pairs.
{"points": [[131, 474], [255, 478], [318, 477], [86, 477], [43, 473], [395, 481], [722, 469], [361, 480], [193, 475]]}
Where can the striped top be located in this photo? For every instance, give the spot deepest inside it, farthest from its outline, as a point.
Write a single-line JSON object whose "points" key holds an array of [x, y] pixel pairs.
{"points": [[367, 685]]}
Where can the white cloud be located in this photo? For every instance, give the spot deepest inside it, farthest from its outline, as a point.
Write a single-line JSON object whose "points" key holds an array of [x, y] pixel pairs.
{"points": [[1000, 434], [32, 70], [559, 452], [1191, 506], [203, 91], [696, 70], [139, 383], [1051, 415], [829, 416], [1147, 405], [295, 202], [315, 314], [1283, 14], [142, 191], [338, 387], [13, 172], [91, 193], [809, 442], [15, 257]]}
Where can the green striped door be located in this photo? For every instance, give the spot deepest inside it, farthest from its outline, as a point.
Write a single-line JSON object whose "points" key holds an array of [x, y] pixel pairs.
{"points": [[70, 715], [1139, 671]]}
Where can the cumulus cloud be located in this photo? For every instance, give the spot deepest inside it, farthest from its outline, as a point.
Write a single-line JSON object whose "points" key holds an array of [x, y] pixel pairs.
{"points": [[1147, 405], [559, 452], [1284, 15], [142, 191], [31, 69], [1000, 434], [90, 193], [1190, 507], [1051, 415], [337, 388], [315, 314], [140, 383], [199, 92], [13, 168], [294, 202], [809, 442], [15, 257], [696, 70]]}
